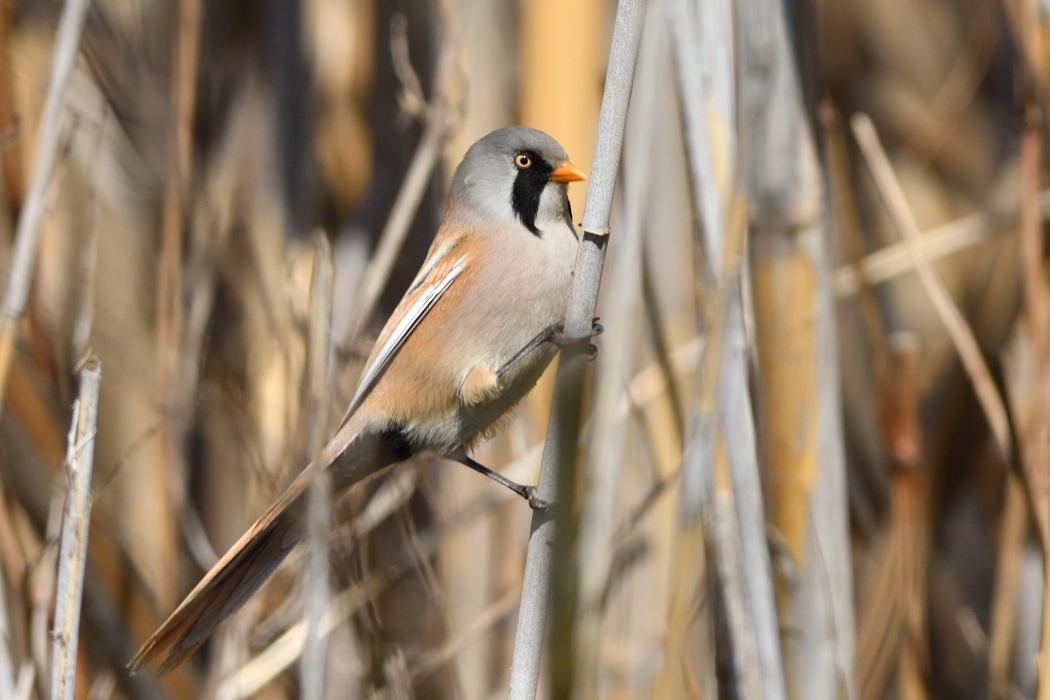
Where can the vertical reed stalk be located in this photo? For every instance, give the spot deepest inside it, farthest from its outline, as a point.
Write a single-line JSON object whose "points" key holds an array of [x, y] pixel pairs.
{"points": [[803, 454], [700, 33], [1035, 446], [601, 465], [72, 554], [551, 539], [154, 483], [721, 480], [318, 519], [52, 129]]}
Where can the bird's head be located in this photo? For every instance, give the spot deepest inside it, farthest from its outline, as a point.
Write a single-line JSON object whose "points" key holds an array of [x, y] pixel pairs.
{"points": [[515, 174]]}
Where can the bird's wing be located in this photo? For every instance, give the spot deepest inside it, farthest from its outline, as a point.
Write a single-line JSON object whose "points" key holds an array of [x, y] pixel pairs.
{"points": [[413, 307]]}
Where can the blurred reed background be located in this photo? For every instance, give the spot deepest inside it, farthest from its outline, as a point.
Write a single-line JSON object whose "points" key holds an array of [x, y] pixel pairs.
{"points": [[822, 394]]}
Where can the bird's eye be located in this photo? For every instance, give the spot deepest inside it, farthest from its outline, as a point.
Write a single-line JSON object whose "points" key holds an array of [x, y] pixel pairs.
{"points": [[522, 160]]}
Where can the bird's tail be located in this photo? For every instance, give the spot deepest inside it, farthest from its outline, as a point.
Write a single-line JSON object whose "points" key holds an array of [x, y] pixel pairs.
{"points": [[249, 562]]}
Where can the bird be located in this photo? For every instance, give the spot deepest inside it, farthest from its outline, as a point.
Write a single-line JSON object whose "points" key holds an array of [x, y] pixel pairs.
{"points": [[471, 336]]}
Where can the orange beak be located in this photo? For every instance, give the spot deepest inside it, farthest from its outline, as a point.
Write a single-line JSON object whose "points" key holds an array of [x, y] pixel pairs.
{"points": [[567, 172]]}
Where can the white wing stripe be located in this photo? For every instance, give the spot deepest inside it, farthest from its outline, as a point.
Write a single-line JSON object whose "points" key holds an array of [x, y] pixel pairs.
{"points": [[432, 262], [400, 334]]}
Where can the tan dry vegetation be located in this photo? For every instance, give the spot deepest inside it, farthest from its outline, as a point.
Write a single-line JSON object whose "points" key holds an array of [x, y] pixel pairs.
{"points": [[821, 400]]}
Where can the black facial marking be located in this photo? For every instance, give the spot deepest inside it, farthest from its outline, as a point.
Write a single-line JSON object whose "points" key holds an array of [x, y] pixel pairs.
{"points": [[528, 186], [568, 219]]}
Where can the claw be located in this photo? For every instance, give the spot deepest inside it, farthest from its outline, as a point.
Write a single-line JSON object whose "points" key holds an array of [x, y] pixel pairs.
{"points": [[592, 351], [536, 503]]}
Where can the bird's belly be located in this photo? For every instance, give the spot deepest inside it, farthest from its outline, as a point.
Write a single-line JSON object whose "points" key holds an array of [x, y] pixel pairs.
{"points": [[530, 299]]}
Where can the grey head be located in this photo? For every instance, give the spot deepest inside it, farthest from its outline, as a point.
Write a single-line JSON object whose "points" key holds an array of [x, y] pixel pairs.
{"points": [[515, 174]]}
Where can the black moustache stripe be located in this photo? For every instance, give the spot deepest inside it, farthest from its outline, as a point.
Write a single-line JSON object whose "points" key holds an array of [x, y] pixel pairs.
{"points": [[528, 187]]}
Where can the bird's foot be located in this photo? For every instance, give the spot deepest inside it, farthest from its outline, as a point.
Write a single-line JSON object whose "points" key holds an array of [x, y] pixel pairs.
{"points": [[591, 349], [534, 502]]}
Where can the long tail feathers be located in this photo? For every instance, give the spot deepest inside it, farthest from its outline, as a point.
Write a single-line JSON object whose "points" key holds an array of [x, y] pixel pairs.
{"points": [[249, 562]]}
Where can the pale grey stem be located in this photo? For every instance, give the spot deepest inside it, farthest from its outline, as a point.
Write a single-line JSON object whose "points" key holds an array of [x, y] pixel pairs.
{"points": [[786, 217], [72, 553], [764, 65], [732, 581], [701, 34], [831, 593], [704, 73], [52, 126], [762, 632], [736, 517], [700, 66], [557, 475], [605, 445], [318, 514], [703, 65]]}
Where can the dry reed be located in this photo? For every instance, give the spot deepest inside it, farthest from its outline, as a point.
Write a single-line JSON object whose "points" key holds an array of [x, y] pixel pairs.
{"points": [[809, 461]]}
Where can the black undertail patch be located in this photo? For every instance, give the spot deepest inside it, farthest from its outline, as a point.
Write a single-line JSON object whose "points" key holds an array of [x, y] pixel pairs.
{"points": [[396, 442]]}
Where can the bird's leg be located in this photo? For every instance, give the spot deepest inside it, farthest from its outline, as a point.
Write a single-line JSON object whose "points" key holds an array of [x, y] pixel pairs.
{"points": [[553, 334], [526, 492], [547, 335]]}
